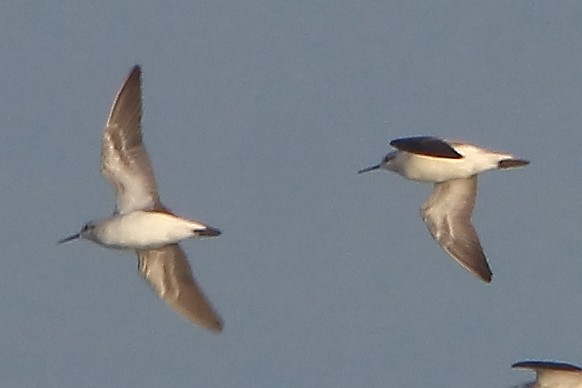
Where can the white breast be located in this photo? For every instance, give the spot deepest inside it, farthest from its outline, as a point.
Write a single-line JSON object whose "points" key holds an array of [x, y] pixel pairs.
{"points": [[436, 169], [143, 230]]}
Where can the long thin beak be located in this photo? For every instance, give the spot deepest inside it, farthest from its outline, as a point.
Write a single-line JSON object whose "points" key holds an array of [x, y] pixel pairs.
{"points": [[369, 169], [70, 238]]}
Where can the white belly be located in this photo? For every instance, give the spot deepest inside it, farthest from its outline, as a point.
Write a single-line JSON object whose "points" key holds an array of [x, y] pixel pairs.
{"points": [[429, 169], [432, 169], [144, 230]]}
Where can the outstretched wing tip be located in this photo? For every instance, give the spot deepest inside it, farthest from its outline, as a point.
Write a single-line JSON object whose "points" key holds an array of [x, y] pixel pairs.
{"points": [[169, 274], [447, 215], [124, 160]]}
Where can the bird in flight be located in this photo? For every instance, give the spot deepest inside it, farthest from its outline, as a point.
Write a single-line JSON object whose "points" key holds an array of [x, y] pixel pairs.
{"points": [[453, 168], [140, 221]]}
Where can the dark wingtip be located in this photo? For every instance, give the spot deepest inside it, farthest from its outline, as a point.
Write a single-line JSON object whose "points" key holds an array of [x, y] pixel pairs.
{"points": [[512, 163], [218, 327], [215, 326], [486, 276], [135, 69], [209, 232]]}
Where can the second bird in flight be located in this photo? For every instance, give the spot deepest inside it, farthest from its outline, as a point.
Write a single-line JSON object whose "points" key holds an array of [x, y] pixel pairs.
{"points": [[453, 168]]}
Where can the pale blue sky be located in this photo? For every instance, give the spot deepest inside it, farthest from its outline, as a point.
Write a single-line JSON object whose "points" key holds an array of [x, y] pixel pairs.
{"points": [[258, 114]]}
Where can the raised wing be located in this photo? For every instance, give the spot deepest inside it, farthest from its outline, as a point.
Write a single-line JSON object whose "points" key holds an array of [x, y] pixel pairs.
{"points": [[124, 160], [447, 214], [426, 145], [169, 274]]}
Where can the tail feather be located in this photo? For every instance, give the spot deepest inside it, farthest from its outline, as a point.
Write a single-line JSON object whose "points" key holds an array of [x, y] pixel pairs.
{"points": [[512, 163], [208, 232]]}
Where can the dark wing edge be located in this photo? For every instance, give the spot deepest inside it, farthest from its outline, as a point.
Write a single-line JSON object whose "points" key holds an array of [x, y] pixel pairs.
{"points": [[548, 365], [128, 98], [426, 145]]}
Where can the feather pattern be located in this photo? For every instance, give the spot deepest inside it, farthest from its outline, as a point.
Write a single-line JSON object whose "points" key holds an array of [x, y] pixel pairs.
{"points": [[447, 214]]}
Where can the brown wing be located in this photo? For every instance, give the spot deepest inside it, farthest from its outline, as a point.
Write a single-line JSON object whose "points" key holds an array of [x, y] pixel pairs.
{"points": [[169, 274], [124, 160], [447, 214]]}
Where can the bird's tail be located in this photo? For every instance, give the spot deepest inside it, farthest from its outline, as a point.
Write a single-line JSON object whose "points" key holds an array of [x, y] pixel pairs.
{"points": [[209, 231], [512, 163]]}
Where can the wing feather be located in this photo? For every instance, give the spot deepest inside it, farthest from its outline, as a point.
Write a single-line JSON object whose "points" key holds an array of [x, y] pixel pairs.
{"points": [[447, 214], [124, 160], [169, 274]]}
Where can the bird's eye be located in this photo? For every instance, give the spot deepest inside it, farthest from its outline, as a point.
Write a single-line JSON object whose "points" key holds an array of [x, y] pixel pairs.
{"points": [[85, 227]]}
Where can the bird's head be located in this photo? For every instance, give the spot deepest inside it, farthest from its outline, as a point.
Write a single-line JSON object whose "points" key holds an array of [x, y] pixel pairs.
{"points": [[386, 163], [87, 232]]}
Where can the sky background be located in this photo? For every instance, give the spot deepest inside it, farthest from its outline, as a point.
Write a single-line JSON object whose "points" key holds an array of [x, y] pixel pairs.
{"points": [[257, 116]]}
